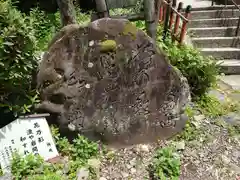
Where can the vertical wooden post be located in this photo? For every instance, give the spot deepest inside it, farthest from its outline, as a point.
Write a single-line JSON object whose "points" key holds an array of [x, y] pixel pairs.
{"points": [[177, 20], [184, 26], [172, 14], [161, 13], [157, 10], [166, 20], [149, 14], [164, 6], [102, 9]]}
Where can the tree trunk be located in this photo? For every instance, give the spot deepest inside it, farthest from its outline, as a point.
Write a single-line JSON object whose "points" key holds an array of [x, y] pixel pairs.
{"points": [[67, 12], [150, 18]]}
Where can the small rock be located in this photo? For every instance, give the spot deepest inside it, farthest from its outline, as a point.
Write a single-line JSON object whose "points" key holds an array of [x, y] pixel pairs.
{"points": [[236, 154], [133, 162], [143, 148], [199, 117], [71, 127], [128, 166], [102, 178], [83, 174], [201, 155], [133, 170], [180, 145], [196, 124], [225, 159], [124, 174]]}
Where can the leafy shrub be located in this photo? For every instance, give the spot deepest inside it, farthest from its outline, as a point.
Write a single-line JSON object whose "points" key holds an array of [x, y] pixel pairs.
{"points": [[200, 71], [81, 148], [17, 60], [21, 167], [79, 152], [45, 25], [82, 18], [34, 168], [166, 165], [84, 149]]}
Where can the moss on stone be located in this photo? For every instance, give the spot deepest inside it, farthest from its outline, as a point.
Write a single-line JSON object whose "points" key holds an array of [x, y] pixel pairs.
{"points": [[129, 28], [108, 45]]}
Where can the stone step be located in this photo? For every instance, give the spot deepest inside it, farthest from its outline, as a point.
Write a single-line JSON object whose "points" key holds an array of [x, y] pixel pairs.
{"points": [[233, 81], [211, 14], [215, 7], [212, 32], [216, 42], [217, 22], [222, 53], [230, 66]]}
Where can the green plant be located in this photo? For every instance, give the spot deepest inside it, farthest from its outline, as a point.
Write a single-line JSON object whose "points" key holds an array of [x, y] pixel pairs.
{"points": [[17, 60], [22, 167], [166, 164], [62, 143], [45, 25], [190, 131], [33, 167], [84, 149], [81, 148], [211, 106], [200, 71], [51, 175], [82, 18]]}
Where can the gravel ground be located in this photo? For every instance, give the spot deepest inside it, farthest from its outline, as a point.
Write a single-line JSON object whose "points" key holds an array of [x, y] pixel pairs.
{"points": [[213, 155]]}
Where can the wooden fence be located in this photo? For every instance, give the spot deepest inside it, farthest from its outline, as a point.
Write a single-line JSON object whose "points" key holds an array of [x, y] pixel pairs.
{"points": [[171, 17], [168, 15]]}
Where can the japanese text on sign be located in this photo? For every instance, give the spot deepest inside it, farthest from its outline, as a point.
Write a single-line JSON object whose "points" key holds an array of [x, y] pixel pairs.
{"points": [[25, 136]]}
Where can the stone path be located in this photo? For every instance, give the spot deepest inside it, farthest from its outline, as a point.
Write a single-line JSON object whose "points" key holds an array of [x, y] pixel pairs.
{"points": [[230, 82]]}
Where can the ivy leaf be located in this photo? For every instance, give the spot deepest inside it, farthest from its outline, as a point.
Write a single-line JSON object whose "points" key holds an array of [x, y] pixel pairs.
{"points": [[8, 43]]}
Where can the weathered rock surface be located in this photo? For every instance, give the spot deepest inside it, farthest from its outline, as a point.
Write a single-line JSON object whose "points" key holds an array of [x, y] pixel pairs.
{"points": [[109, 80]]}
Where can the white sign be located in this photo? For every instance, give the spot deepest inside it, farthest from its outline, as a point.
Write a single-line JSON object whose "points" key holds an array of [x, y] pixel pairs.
{"points": [[26, 135]]}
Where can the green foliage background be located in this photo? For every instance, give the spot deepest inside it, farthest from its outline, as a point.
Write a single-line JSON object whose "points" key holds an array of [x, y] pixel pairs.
{"points": [[17, 59]]}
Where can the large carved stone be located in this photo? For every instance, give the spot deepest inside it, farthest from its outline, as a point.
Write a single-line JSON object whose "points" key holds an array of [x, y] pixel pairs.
{"points": [[110, 80]]}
